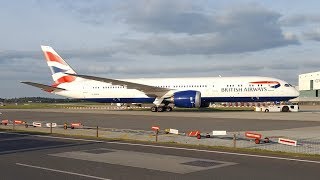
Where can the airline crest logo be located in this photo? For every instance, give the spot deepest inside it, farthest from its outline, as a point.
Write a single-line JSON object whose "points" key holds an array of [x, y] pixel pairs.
{"points": [[273, 84]]}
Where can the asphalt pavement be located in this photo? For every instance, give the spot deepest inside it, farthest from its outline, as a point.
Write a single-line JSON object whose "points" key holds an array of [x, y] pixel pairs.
{"points": [[144, 121], [42, 157]]}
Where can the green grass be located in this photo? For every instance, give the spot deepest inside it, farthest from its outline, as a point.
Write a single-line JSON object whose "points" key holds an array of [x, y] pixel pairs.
{"points": [[31, 106], [85, 104], [49, 105]]}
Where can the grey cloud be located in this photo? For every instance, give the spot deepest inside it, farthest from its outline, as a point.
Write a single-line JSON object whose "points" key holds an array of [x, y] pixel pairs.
{"points": [[192, 18], [94, 12], [187, 27], [166, 16], [241, 29], [7, 57], [301, 19], [312, 35], [213, 43], [10, 56], [97, 53], [239, 68]]}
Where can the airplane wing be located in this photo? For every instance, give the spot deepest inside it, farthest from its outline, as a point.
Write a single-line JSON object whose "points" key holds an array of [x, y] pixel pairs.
{"points": [[148, 90], [42, 86]]}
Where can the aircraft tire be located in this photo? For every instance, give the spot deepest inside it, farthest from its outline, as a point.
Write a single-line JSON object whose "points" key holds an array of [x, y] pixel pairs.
{"points": [[154, 109], [161, 109], [285, 109], [168, 109], [267, 110]]}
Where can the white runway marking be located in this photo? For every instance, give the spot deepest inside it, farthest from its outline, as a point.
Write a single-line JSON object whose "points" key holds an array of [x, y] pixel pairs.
{"points": [[178, 148], [60, 171]]}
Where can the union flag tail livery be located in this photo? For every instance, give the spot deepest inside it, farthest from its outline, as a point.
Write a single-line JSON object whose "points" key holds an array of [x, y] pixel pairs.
{"points": [[58, 67]]}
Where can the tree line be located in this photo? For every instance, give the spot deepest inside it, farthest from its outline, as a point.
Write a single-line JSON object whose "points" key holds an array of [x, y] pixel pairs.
{"points": [[37, 100]]}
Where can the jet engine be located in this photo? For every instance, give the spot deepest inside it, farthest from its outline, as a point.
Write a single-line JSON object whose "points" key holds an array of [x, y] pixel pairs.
{"points": [[187, 99]]}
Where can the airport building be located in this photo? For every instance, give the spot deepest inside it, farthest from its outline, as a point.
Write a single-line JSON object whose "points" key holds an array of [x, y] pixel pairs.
{"points": [[309, 86]]}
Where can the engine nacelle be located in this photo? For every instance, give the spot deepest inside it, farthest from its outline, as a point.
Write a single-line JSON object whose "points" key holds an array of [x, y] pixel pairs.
{"points": [[187, 99]]}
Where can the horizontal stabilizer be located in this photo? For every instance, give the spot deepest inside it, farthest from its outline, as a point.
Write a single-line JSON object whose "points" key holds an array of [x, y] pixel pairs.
{"points": [[43, 87]]}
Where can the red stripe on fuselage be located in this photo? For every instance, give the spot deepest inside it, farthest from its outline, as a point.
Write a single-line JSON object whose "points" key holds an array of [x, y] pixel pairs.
{"points": [[265, 82]]}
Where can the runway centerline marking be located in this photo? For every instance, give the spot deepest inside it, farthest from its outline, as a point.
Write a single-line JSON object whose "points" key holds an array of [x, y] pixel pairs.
{"points": [[61, 171], [179, 148]]}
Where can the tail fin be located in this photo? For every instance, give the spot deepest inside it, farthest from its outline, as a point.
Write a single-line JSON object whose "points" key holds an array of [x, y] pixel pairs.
{"points": [[58, 67]]}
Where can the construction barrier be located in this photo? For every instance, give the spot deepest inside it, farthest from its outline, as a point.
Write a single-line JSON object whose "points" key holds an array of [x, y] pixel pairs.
{"points": [[53, 124], [173, 131], [219, 133], [289, 142], [5, 122], [19, 122], [193, 133], [155, 128], [257, 137], [36, 124], [76, 125], [253, 135]]}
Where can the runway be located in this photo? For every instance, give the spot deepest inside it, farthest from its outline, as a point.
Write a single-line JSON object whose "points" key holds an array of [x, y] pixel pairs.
{"points": [[41, 157], [230, 121]]}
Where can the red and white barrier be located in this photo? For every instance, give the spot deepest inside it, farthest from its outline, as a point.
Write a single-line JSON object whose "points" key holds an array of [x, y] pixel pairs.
{"points": [[155, 128], [253, 135], [5, 122], [289, 142], [37, 124], [76, 125], [49, 124], [193, 133], [18, 122]]}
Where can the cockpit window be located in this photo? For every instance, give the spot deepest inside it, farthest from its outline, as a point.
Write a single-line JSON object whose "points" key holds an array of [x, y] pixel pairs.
{"points": [[288, 85]]}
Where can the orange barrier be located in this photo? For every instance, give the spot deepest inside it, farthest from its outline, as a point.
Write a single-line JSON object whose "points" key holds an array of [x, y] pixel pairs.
{"points": [[257, 137], [76, 125], [155, 128], [253, 135], [5, 122], [18, 122], [193, 133]]}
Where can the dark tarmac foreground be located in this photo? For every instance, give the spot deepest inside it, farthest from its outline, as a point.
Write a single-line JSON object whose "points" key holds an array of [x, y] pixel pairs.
{"points": [[42, 157]]}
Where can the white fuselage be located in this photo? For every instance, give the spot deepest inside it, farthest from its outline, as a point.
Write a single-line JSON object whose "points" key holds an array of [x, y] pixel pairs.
{"points": [[213, 89]]}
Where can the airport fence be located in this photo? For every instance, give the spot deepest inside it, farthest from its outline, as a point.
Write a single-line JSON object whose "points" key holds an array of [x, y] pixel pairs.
{"points": [[229, 139]]}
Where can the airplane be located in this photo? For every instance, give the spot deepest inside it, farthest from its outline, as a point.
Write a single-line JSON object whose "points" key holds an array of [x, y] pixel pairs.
{"points": [[182, 92]]}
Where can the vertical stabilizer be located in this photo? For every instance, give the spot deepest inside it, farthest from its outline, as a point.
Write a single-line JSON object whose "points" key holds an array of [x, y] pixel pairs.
{"points": [[58, 66]]}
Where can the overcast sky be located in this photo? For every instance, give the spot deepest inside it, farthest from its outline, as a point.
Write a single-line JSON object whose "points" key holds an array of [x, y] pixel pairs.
{"points": [[158, 38]]}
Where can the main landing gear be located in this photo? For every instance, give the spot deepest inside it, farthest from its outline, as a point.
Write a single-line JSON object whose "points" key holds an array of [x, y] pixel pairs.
{"points": [[161, 108]]}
